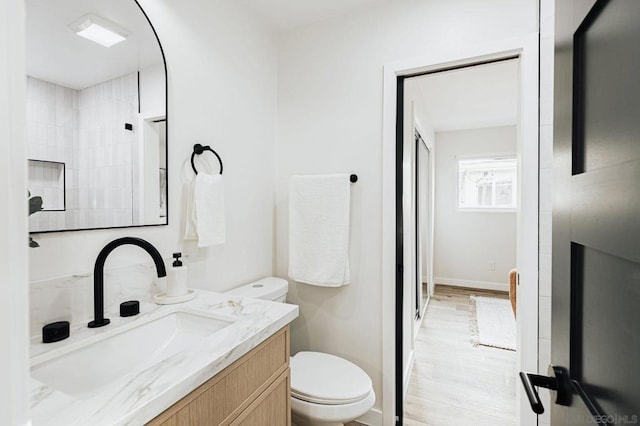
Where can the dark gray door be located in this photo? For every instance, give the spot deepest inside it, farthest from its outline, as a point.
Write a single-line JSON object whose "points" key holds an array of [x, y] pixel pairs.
{"points": [[596, 223]]}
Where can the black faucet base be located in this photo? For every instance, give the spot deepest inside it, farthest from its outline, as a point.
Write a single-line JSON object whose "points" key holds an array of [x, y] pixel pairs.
{"points": [[96, 324]]}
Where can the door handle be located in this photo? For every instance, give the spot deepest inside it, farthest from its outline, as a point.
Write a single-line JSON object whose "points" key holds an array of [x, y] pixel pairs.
{"points": [[559, 383]]}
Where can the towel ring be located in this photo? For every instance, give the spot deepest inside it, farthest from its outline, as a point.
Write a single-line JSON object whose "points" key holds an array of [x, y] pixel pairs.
{"points": [[199, 149]]}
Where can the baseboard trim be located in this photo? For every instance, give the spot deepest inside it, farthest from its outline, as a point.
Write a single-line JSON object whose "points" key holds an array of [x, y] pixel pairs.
{"points": [[482, 285], [372, 418], [407, 374]]}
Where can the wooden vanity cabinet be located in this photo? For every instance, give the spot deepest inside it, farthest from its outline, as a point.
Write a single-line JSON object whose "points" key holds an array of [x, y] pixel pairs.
{"points": [[254, 390]]}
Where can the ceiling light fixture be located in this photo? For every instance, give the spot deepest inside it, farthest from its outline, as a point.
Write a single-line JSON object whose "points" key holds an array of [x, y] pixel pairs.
{"points": [[99, 30]]}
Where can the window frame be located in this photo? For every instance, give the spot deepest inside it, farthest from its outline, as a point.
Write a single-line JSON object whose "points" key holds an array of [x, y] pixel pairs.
{"points": [[493, 209]]}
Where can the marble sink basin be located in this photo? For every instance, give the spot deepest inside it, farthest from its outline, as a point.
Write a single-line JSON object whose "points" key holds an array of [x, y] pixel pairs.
{"points": [[83, 372]]}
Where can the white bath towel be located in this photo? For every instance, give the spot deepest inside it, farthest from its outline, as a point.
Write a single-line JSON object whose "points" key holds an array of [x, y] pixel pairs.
{"points": [[205, 219], [319, 229]]}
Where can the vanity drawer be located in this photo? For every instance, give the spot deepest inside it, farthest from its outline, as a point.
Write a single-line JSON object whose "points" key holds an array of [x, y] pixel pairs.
{"points": [[256, 372], [272, 407], [238, 388]]}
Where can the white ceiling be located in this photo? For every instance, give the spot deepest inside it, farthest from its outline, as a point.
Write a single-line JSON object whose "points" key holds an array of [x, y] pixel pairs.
{"points": [[284, 15], [56, 54], [468, 98]]}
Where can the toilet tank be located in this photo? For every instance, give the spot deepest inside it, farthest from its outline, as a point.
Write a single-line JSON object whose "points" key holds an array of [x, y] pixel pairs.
{"points": [[270, 288]]}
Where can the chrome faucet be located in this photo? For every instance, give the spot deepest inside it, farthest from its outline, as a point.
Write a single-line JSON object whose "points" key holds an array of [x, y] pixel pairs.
{"points": [[98, 274]]}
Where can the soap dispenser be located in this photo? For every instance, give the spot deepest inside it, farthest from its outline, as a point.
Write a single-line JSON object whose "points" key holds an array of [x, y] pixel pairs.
{"points": [[177, 278], [177, 285]]}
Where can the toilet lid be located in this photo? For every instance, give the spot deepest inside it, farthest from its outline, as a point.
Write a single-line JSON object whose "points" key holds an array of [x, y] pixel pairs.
{"points": [[327, 379]]}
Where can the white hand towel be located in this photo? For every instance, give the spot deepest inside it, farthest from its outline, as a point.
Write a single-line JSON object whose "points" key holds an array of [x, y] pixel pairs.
{"points": [[208, 195], [319, 229], [190, 218]]}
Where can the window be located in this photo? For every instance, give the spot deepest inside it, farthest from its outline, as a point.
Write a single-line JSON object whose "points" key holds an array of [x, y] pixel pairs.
{"points": [[487, 183]]}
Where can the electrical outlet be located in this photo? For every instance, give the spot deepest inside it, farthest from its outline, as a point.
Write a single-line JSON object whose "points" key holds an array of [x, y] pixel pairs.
{"points": [[492, 265]]}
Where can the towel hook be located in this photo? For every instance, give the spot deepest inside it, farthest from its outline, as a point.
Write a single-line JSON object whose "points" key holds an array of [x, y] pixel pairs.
{"points": [[199, 149]]}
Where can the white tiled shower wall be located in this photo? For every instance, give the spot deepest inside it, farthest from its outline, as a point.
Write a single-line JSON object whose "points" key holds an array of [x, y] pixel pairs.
{"points": [[52, 135], [547, 15], [106, 152], [85, 130]]}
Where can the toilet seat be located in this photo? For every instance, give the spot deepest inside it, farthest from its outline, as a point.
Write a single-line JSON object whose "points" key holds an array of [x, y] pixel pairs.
{"points": [[325, 379]]}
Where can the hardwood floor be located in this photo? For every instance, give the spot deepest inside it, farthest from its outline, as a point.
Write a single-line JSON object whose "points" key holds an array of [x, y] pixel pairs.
{"points": [[453, 382]]}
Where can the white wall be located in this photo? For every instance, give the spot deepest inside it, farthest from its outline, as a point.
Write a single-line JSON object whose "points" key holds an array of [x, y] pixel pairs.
{"points": [[465, 242], [222, 91], [152, 94], [14, 362], [330, 120]]}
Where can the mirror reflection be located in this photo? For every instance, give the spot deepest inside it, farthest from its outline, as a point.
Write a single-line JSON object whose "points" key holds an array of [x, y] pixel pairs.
{"points": [[96, 115]]}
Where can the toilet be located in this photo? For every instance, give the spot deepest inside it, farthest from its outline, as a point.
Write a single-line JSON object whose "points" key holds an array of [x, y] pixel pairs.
{"points": [[325, 389]]}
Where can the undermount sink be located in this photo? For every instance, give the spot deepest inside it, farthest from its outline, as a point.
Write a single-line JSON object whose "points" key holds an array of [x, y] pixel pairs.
{"points": [[83, 372]]}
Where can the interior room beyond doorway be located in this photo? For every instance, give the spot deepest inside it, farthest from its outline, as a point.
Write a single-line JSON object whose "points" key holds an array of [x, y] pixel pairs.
{"points": [[460, 180]]}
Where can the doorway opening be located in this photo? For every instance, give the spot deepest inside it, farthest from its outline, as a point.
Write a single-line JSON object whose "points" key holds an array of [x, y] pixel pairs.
{"points": [[460, 191], [395, 245], [526, 49]]}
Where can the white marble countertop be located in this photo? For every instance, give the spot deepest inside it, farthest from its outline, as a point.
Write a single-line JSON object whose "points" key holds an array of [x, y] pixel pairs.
{"points": [[141, 395]]}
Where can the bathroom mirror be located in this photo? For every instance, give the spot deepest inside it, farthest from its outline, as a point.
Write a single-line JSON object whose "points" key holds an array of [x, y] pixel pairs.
{"points": [[96, 115]]}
